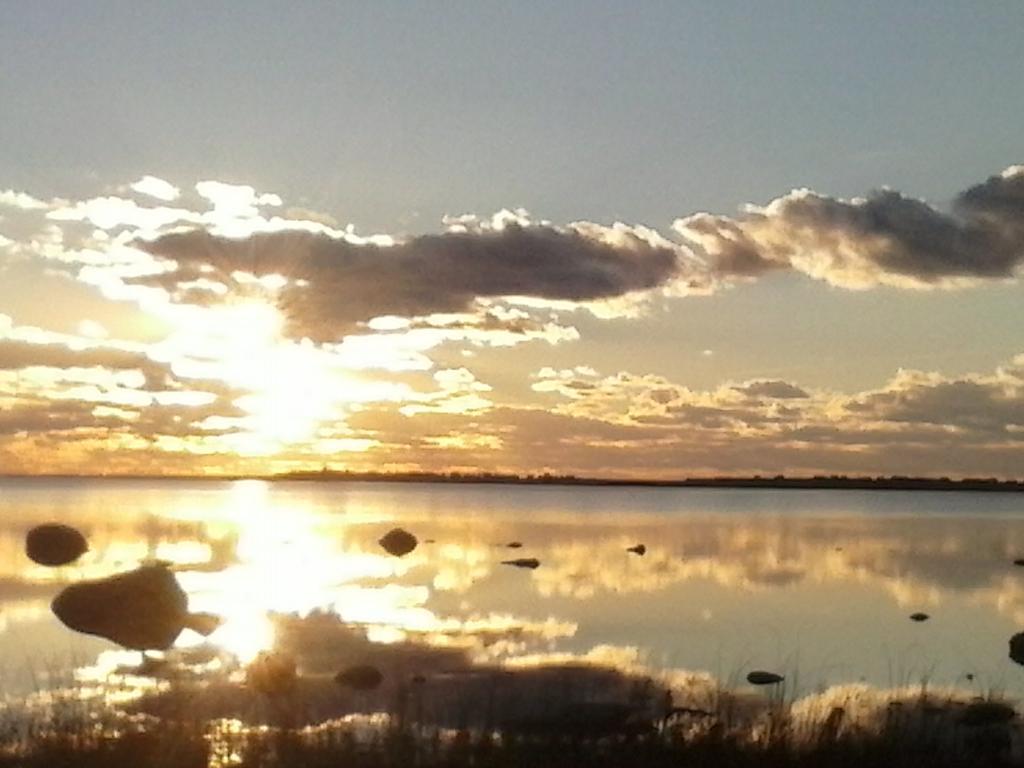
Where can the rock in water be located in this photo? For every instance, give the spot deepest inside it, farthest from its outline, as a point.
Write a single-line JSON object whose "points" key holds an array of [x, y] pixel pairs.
{"points": [[1017, 648], [143, 610], [760, 677], [639, 549], [54, 544], [362, 677], [398, 542], [523, 562]]}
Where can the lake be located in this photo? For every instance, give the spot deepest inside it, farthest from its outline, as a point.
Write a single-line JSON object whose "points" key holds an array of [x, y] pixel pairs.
{"points": [[814, 584]]}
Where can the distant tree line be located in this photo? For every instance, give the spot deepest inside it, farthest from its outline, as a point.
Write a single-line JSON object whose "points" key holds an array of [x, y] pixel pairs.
{"points": [[891, 482]]}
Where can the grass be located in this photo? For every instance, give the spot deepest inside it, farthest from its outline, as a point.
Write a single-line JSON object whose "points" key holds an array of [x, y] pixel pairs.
{"points": [[855, 727], [437, 709]]}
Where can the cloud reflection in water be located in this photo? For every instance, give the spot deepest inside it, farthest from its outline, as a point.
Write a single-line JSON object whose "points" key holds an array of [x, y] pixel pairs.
{"points": [[714, 591]]}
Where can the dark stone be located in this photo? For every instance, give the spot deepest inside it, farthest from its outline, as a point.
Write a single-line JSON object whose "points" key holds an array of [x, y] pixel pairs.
{"points": [[54, 544], [144, 609], [523, 562], [361, 677], [760, 677], [398, 542]]}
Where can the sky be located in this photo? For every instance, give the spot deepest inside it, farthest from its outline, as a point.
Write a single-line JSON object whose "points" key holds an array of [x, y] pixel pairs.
{"points": [[649, 240]]}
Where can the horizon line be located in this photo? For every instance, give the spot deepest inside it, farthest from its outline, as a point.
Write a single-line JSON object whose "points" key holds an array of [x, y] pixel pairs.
{"points": [[782, 481]]}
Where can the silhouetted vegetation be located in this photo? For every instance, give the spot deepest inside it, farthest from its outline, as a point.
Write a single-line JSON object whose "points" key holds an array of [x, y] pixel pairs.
{"points": [[888, 483], [917, 730]]}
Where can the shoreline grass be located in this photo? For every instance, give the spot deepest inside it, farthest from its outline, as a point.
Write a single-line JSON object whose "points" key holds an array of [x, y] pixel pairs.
{"points": [[856, 726]]}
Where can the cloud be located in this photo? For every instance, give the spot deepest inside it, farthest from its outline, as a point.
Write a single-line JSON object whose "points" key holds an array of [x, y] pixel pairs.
{"points": [[339, 282], [224, 242], [17, 354], [66, 398], [157, 188], [74, 401], [43, 417], [628, 398], [913, 403], [374, 330], [458, 392], [993, 404], [771, 388], [235, 200], [112, 212], [633, 425], [886, 238], [12, 199], [337, 285]]}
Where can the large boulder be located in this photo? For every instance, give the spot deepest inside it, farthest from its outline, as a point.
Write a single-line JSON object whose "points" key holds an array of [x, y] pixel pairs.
{"points": [[144, 609]]}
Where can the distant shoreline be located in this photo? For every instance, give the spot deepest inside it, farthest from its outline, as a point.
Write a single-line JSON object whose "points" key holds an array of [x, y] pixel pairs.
{"points": [[819, 482]]}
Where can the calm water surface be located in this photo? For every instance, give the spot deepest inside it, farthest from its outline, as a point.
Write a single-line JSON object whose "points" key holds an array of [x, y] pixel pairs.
{"points": [[814, 584]]}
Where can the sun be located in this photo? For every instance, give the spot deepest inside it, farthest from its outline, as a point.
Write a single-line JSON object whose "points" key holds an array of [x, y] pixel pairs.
{"points": [[289, 396], [293, 392], [287, 389]]}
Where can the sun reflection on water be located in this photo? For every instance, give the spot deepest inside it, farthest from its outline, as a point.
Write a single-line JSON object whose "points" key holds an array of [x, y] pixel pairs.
{"points": [[286, 563]]}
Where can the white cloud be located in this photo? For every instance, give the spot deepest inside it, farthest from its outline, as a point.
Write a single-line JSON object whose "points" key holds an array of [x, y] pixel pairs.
{"points": [[13, 199], [235, 200], [157, 188]]}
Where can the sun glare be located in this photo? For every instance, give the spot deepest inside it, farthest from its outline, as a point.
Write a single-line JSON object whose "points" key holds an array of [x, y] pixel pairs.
{"points": [[286, 563], [291, 386]]}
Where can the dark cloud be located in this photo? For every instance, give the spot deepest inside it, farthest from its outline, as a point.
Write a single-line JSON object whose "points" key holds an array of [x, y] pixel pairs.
{"points": [[772, 388], [998, 201], [729, 250], [336, 285], [41, 417], [988, 406], [886, 238]]}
